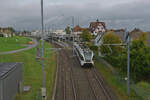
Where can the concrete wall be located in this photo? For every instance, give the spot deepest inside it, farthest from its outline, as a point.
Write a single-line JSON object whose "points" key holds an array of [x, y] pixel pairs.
{"points": [[10, 83], [1, 90]]}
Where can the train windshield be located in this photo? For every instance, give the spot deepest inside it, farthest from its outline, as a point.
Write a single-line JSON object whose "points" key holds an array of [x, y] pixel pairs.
{"points": [[88, 56]]}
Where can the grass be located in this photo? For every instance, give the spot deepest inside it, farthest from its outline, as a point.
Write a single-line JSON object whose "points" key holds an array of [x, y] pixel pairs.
{"points": [[118, 87], [144, 85], [143, 89], [12, 43], [32, 74]]}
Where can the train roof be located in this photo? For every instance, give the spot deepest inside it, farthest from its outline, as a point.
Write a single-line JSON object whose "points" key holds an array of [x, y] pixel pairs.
{"points": [[83, 46]]}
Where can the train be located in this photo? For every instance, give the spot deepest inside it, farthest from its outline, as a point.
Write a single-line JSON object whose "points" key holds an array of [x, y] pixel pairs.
{"points": [[84, 54]]}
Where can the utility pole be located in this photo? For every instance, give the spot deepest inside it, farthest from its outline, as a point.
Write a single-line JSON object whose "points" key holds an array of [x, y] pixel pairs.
{"points": [[126, 42], [128, 67], [42, 44], [73, 32]]}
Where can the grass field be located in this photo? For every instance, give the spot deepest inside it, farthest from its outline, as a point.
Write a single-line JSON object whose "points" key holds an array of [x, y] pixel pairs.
{"points": [[32, 74], [143, 90], [12, 43], [118, 87]]}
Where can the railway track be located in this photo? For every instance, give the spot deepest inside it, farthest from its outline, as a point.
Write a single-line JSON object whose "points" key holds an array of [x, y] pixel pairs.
{"points": [[71, 76], [98, 88], [76, 83], [84, 92], [101, 84], [97, 84], [67, 83], [91, 86]]}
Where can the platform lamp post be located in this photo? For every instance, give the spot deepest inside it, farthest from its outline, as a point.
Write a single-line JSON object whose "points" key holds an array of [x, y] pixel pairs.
{"points": [[73, 32], [43, 89]]}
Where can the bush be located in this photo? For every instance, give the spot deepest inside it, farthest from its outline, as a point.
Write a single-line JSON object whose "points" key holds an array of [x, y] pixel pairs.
{"points": [[1, 35], [94, 48], [139, 57]]}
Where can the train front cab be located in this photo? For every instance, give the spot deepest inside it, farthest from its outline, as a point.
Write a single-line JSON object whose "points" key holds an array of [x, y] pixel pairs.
{"points": [[87, 64]]}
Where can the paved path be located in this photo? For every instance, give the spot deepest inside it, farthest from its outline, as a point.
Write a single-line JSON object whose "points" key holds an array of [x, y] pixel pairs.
{"points": [[23, 49]]}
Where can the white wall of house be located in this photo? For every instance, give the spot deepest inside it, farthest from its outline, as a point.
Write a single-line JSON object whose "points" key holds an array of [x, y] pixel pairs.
{"points": [[77, 33], [7, 35], [100, 28], [36, 33], [62, 32]]}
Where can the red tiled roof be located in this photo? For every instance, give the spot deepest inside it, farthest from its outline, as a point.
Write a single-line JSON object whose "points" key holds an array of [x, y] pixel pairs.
{"points": [[93, 25], [78, 29]]}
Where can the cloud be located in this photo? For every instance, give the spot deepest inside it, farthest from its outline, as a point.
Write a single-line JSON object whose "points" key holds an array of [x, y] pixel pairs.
{"points": [[25, 14]]}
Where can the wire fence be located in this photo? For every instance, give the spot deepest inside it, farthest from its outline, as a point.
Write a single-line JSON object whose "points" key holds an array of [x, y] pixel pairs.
{"points": [[137, 93]]}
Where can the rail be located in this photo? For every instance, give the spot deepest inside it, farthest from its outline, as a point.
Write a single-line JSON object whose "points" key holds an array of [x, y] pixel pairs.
{"points": [[91, 85], [100, 81]]}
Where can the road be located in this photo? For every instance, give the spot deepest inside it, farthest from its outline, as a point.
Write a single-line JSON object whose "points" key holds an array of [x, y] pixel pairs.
{"points": [[77, 83], [23, 49]]}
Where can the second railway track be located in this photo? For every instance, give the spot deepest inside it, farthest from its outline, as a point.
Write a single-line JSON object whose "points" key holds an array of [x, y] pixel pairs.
{"points": [[67, 83]]}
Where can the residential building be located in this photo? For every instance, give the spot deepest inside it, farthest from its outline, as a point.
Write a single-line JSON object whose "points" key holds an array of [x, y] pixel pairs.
{"points": [[36, 33], [97, 27], [118, 32], [59, 32], [135, 34], [6, 32], [78, 30]]}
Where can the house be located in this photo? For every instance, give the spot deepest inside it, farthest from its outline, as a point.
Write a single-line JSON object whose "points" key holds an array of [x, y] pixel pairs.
{"points": [[97, 27], [119, 32], [60, 32], [10, 80], [78, 30], [36, 33], [135, 34], [6, 32], [26, 33]]}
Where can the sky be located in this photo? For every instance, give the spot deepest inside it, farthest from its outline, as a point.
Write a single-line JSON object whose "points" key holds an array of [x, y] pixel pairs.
{"points": [[25, 14]]}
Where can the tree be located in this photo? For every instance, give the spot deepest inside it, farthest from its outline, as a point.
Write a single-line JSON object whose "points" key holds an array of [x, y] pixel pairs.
{"points": [[139, 56], [68, 30], [140, 59], [86, 36], [110, 38]]}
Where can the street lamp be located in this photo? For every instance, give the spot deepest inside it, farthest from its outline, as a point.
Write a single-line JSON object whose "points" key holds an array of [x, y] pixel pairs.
{"points": [[43, 89]]}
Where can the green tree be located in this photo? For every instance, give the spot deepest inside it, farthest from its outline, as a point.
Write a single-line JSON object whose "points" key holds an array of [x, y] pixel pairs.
{"points": [[111, 38], [86, 36], [139, 56], [140, 60], [68, 30]]}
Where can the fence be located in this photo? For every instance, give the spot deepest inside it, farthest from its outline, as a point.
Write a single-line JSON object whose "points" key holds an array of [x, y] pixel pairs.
{"points": [[137, 93]]}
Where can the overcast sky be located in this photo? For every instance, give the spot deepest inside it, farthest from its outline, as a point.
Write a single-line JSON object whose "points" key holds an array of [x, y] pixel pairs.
{"points": [[25, 14]]}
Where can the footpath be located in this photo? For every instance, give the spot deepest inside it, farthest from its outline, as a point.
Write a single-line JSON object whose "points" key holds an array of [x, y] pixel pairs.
{"points": [[35, 43]]}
